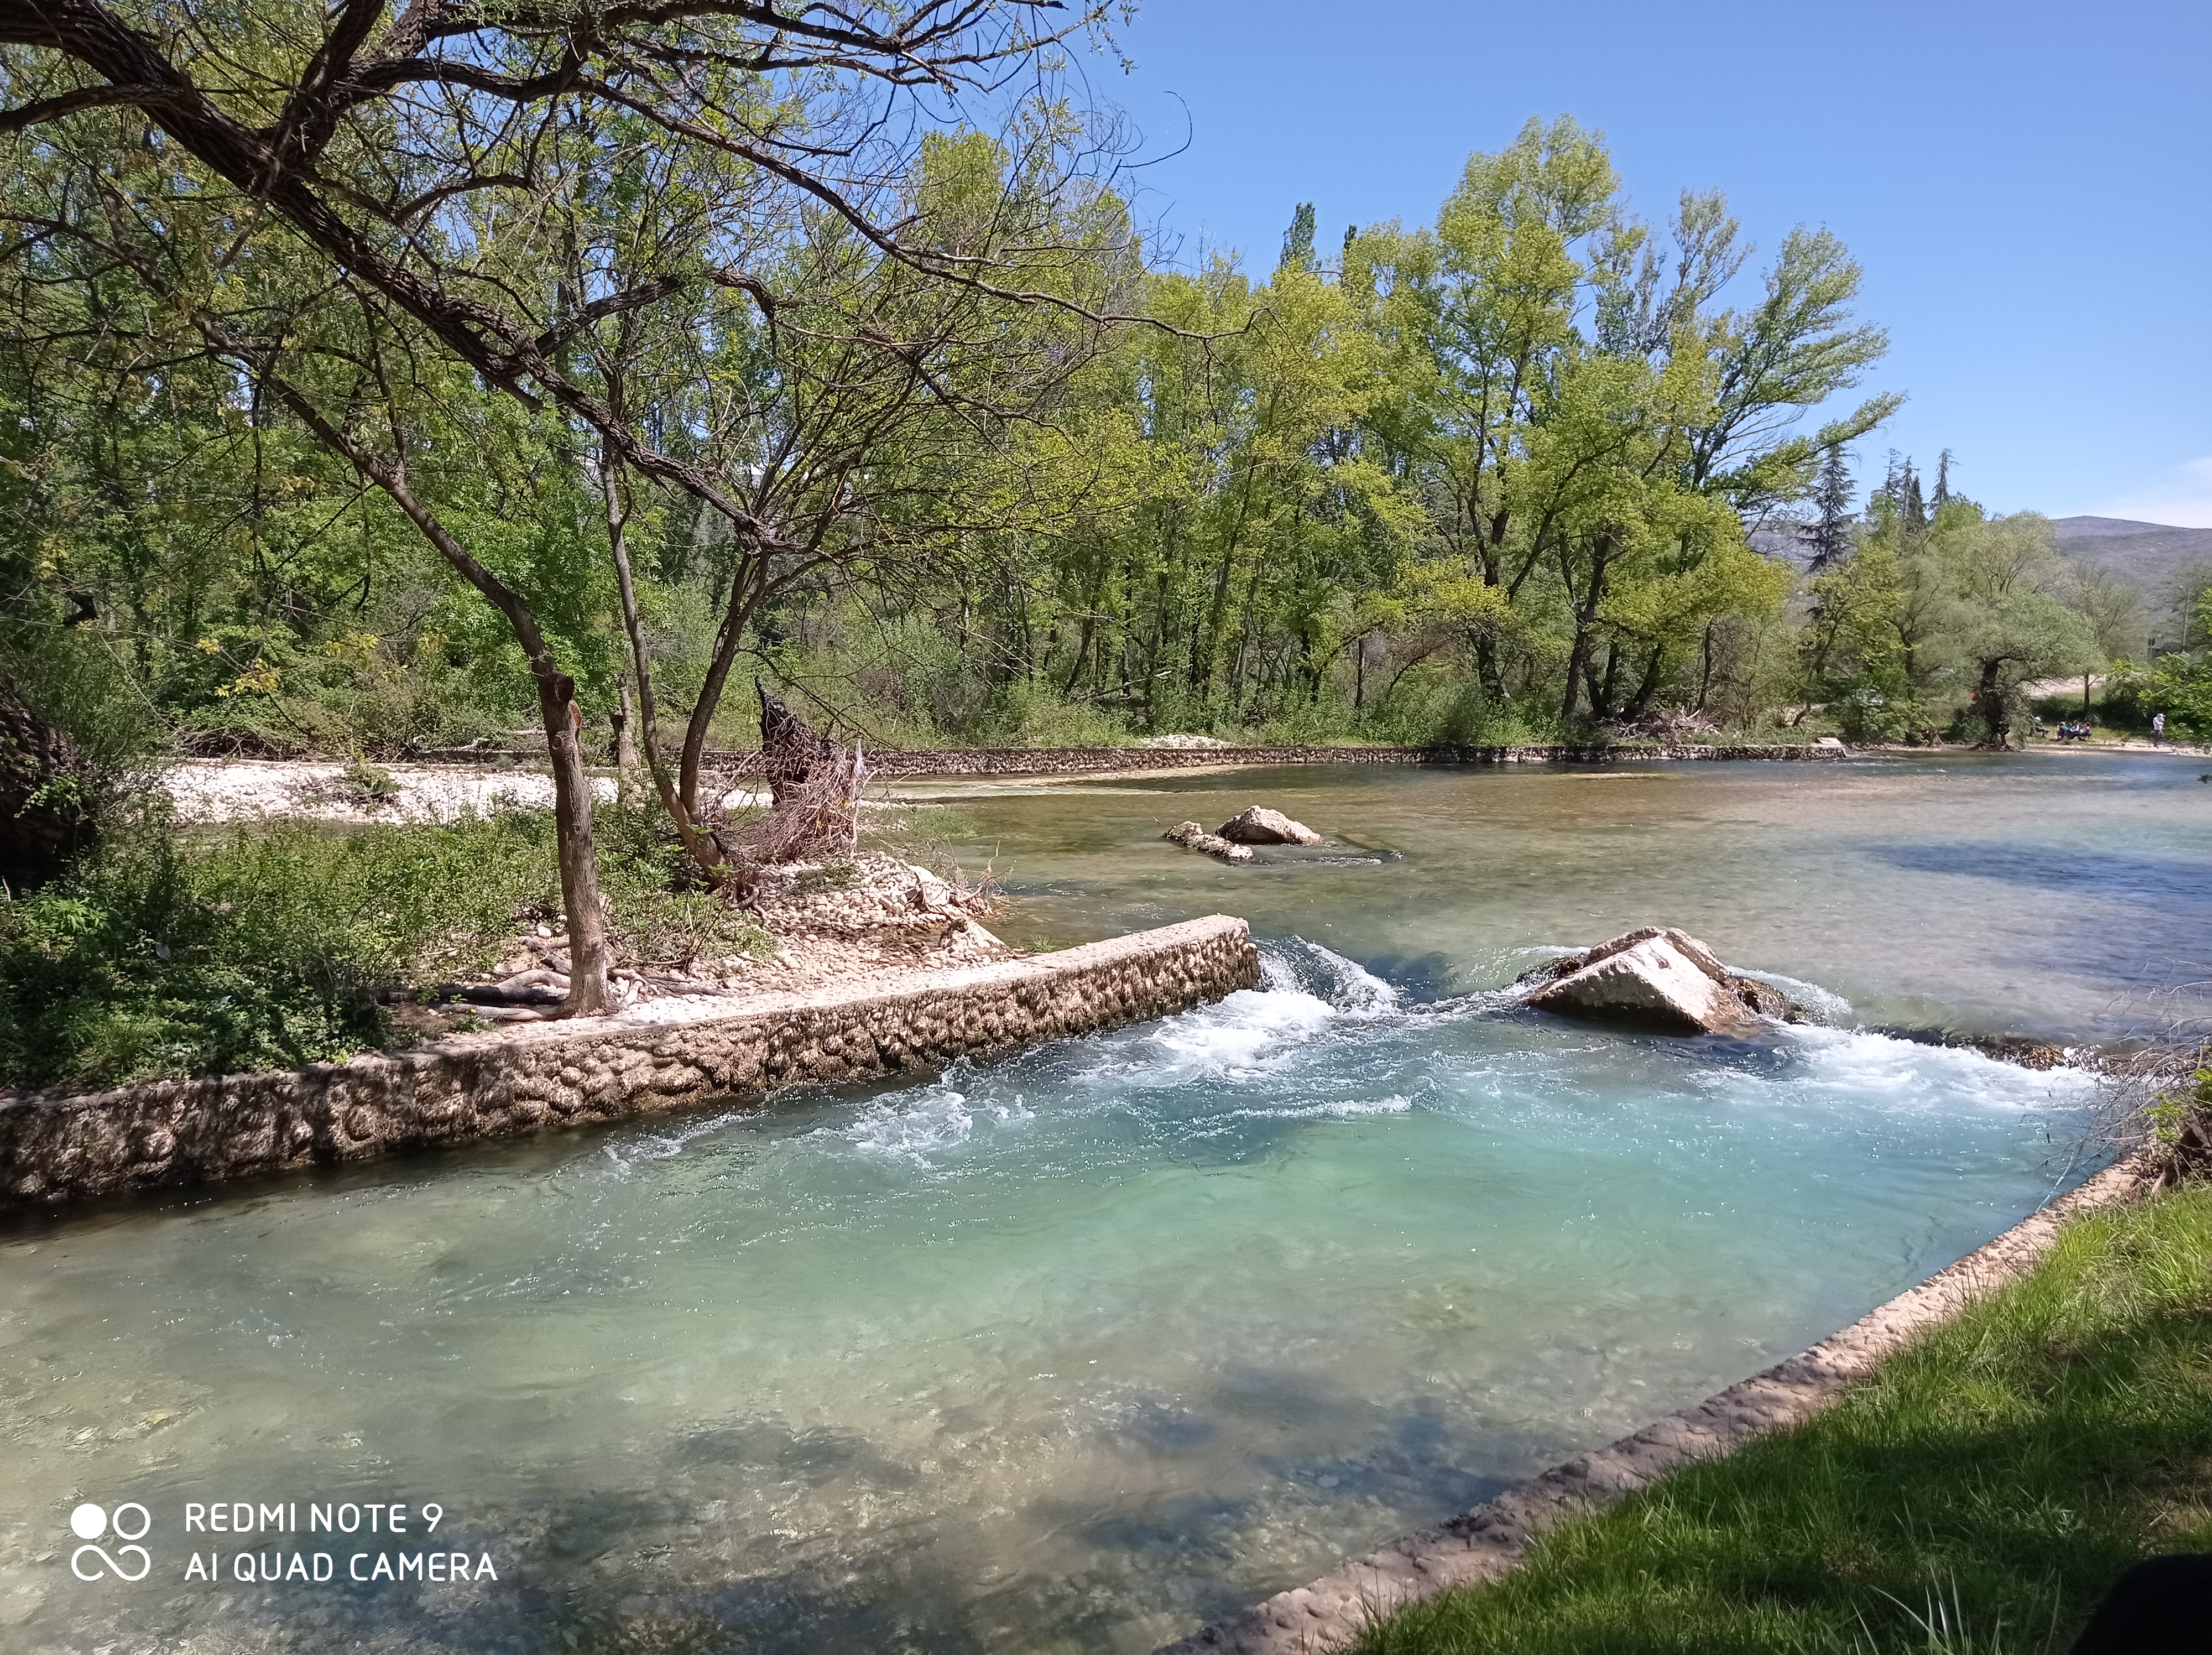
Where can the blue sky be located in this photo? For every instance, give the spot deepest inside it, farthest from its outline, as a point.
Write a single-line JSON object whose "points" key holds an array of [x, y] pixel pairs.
{"points": [[2029, 187]]}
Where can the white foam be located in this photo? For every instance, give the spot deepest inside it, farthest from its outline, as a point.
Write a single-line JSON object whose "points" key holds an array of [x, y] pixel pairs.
{"points": [[911, 1126], [1241, 1034], [1825, 1004], [626, 1152], [1858, 1066], [1354, 988], [1345, 1109], [1251, 1031]]}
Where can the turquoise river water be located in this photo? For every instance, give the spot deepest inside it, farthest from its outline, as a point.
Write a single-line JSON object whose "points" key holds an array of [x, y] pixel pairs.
{"points": [[1074, 1350]]}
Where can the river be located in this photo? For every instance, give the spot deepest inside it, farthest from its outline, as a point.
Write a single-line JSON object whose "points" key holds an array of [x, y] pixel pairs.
{"points": [[1075, 1350]]}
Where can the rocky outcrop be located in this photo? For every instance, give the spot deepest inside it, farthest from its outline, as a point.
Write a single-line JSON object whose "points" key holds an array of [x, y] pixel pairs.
{"points": [[672, 1054], [1657, 977], [1191, 836], [1258, 826]]}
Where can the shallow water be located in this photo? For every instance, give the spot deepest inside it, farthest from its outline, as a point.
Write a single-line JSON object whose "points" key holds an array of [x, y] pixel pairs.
{"points": [[2059, 894], [1074, 1351]]}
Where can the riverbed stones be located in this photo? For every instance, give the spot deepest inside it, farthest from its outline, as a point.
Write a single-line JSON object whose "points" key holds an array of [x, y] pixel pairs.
{"points": [[1191, 836], [1258, 826], [1656, 977]]}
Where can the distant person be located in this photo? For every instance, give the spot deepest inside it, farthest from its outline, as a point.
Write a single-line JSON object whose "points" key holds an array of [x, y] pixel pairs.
{"points": [[2158, 729]]}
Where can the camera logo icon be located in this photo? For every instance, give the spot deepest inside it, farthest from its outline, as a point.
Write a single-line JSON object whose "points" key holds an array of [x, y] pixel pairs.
{"points": [[128, 1522]]}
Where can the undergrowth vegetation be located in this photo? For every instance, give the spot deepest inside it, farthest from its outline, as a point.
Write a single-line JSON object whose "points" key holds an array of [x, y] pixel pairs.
{"points": [[268, 946], [1979, 1493]]}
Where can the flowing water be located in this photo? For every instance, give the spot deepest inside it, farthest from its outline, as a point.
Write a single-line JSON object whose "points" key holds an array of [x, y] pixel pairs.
{"points": [[1073, 1350]]}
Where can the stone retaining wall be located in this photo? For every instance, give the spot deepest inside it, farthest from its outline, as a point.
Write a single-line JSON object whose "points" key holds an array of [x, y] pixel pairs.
{"points": [[893, 765], [1487, 1543], [554, 1074], [1086, 761]]}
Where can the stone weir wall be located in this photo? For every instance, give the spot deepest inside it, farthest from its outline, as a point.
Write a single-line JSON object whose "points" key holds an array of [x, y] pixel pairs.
{"points": [[1084, 761], [521, 1079]]}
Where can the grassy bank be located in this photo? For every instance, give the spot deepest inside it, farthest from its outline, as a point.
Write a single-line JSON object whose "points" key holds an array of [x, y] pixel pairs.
{"points": [[1978, 1494], [270, 946]]}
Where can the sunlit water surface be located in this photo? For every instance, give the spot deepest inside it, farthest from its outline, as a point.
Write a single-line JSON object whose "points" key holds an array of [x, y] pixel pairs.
{"points": [[1075, 1350]]}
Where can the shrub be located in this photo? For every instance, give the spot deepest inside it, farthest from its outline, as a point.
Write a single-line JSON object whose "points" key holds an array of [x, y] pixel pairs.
{"points": [[266, 947]]}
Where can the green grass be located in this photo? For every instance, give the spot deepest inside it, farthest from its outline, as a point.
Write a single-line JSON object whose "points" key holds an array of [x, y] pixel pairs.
{"points": [[1979, 1493], [265, 947]]}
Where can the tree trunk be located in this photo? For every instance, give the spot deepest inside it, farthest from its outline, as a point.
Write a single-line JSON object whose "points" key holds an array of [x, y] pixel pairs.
{"points": [[589, 992], [1655, 669], [625, 738], [45, 790], [1585, 612], [1992, 705], [1572, 698], [1486, 671], [1082, 652], [1602, 696], [726, 643], [699, 846]]}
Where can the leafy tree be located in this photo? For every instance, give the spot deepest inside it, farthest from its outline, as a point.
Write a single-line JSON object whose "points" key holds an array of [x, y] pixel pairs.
{"points": [[2013, 624], [313, 130], [2112, 609]]}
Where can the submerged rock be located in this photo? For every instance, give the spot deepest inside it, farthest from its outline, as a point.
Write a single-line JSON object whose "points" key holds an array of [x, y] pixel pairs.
{"points": [[1192, 836], [1259, 825], [1658, 977]]}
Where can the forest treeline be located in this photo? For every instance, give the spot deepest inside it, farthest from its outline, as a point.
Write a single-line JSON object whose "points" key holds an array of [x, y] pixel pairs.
{"points": [[374, 380], [1486, 478], [1535, 465]]}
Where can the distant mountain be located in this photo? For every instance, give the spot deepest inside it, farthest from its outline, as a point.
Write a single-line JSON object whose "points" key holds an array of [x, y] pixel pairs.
{"points": [[1790, 543], [2153, 556]]}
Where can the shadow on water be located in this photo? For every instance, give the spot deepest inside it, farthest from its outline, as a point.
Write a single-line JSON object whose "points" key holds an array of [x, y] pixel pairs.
{"points": [[2105, 874], [1419, 978], [814, 1457], [666, 1574]]}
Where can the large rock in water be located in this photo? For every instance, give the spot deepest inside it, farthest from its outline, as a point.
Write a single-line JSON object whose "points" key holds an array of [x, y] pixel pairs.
{"points": [[1657, 977], [1261, 827]]}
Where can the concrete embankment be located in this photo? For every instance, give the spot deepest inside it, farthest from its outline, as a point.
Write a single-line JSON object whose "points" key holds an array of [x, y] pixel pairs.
{"points": [[677, 1053]]}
